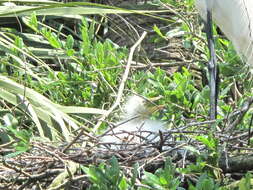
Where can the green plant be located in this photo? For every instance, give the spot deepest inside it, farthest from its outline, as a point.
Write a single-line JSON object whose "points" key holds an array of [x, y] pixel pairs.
{"points": [[80, 81], [204, 183], [106, 177], [163, 179], [179, 93], [10, 132]]}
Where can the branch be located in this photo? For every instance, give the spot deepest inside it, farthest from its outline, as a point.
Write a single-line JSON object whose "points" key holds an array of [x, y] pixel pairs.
{"points": [[122, 84]]}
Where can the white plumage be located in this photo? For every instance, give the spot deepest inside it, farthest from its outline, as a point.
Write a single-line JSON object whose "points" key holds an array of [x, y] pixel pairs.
{"points": [[135, 127], [235, 19]]}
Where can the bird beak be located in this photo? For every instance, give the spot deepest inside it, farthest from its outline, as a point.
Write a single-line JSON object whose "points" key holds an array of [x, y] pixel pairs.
{"points": [[154, 99], [152, 105]]}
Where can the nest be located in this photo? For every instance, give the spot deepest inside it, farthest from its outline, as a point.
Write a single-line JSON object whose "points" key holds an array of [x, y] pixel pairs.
{"points": [[56, 167]]}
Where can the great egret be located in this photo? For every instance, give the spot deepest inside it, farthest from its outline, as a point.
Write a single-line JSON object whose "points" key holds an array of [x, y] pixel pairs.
{"points": [[235, 19], [135, 127]]}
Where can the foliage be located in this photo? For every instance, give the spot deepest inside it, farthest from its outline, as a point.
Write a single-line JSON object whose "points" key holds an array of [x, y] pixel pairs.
{"points": [[58, 76], [163, 178], [110, 176], [21, 136], [106, 177], [205, 182], [73, 85]]}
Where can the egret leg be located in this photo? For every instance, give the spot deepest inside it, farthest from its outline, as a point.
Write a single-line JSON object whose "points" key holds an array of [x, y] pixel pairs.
{"points": [[212, 68]]}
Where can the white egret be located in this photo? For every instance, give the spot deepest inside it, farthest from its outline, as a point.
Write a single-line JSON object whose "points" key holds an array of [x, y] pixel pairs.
{"points": [[136, 127], [235, 19]]}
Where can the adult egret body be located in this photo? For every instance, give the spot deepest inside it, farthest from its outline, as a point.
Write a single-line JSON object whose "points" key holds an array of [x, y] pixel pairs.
{"points": [[135, 127], [235, 19]]}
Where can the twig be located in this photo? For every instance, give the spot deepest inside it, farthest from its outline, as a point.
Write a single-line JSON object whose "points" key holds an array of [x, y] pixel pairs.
{"points": [[122, 84], [241, 114], [162, 154], [82, 131], [18, 170]]}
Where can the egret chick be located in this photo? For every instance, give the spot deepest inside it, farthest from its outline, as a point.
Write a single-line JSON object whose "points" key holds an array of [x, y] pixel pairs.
{"points": [[135, 127]]}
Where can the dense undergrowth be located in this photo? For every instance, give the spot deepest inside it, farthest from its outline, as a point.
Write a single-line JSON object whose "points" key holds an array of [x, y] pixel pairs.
{"points": [[59, 75]]}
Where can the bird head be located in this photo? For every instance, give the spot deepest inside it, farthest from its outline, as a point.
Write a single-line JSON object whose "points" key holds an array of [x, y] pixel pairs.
{"points": [[140, 107]]}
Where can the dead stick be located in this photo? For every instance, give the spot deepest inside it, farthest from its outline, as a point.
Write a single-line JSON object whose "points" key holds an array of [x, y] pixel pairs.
{"points": [[122, 84]]}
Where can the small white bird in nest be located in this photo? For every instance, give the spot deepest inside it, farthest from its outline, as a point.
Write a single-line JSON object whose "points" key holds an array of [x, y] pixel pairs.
{"points": [[136, 127]]}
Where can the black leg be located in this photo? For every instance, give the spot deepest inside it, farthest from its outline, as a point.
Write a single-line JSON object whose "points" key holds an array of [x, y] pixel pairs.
{"points": [[212, 68]]}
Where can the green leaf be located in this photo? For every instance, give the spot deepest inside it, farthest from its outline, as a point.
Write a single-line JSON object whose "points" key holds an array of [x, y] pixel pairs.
{"points": [[70, 52], [33, 23], [245, 183], [208, 141], [151, 178], [10, 120], [158, 31], [123, 184], [69, 42], [134, 174]]}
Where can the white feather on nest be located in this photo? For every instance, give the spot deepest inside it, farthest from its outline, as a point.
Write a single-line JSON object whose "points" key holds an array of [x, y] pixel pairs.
{"points": [[235, 19], [136, 127]]}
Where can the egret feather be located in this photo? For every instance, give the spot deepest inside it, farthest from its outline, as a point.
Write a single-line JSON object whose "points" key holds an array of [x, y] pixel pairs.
{"points": [[235, 19], [135, 127]]}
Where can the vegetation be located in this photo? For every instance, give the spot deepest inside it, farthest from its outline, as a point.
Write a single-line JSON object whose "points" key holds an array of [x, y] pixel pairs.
{"points": [[62, 70]]}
